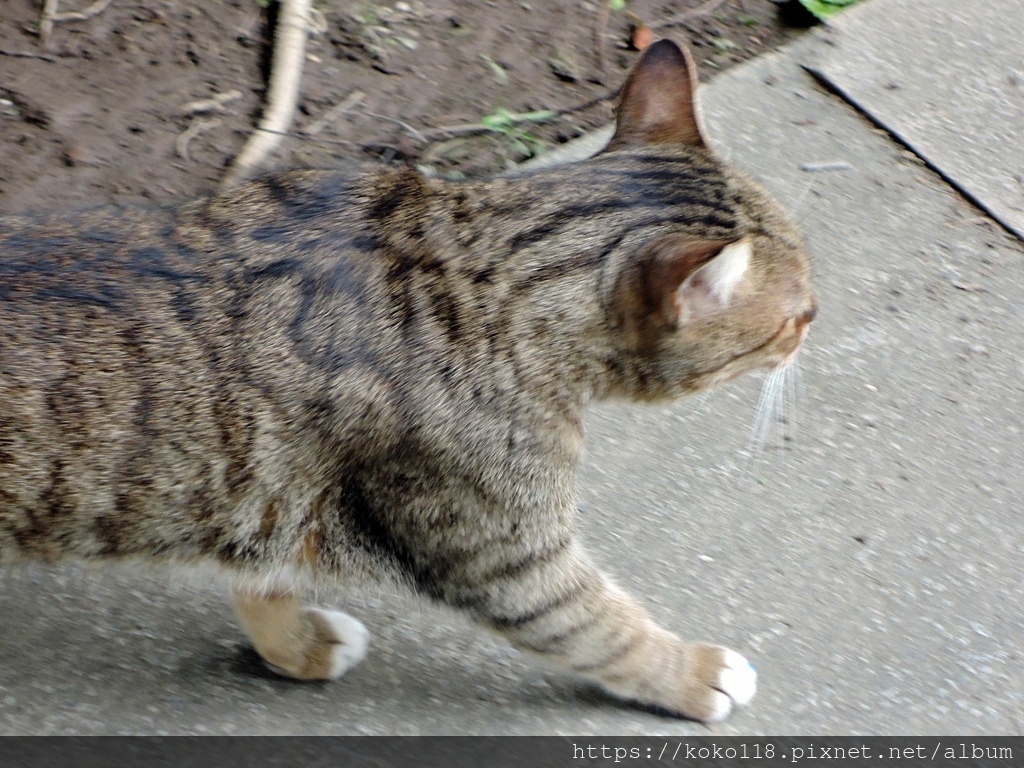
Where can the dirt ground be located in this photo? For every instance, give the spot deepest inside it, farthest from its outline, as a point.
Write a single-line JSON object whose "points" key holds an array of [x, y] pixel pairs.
{"points": [[107, 112]]}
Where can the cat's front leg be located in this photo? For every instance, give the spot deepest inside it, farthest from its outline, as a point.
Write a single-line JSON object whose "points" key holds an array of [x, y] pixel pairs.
{"points": [[562, 609], [303, 642]]}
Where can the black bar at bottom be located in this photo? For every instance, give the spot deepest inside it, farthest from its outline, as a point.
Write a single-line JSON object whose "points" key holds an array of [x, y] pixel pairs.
{"points": [[508, 752]]}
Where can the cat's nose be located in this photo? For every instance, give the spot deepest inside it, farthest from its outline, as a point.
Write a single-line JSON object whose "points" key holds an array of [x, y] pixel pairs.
{"points": [[801, 324], [807, 317]]}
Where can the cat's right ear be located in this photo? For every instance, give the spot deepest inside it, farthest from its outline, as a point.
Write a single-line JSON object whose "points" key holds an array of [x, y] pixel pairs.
{"points": [[659, 100]]}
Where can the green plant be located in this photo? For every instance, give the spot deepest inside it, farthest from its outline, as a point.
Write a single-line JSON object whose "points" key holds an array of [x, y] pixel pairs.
{"points": [[825, 8], [509, 125]]}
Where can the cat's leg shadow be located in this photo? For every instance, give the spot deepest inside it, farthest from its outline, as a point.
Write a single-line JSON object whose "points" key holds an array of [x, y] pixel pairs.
{"points": [[298, 641]]}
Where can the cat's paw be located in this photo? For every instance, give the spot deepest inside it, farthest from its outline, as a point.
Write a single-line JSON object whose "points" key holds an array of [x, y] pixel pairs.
{"points": [[340, 643], [717, 681], [336, 643]]}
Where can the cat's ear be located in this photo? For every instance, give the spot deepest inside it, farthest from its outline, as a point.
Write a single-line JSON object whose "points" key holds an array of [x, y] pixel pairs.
{"points": [[682, 281], [711, 286], [659, 100]]}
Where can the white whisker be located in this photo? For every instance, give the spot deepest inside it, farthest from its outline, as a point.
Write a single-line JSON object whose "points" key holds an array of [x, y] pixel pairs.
{"points": [[781, 417], [793, 394], [764, 414], [797, 208], [790, 380], [798, 375], [703, 398], [774, 423]]}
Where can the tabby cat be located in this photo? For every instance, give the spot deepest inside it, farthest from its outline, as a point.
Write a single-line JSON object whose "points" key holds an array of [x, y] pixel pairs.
{"points": [[318, 374]]}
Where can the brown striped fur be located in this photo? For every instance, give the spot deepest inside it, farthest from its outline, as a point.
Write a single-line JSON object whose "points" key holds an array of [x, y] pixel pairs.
{"points": [[319, 373]]}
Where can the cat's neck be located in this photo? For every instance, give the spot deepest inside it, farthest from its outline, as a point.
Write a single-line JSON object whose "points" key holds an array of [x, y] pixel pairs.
{"points": [[535, 300]]}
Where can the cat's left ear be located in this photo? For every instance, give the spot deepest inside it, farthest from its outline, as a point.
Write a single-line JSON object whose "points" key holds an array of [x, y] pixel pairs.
{"points": [[659, 100], [682, 281]]}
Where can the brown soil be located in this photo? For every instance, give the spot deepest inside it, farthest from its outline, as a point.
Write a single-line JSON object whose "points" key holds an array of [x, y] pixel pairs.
{"points": [[100, 116]]}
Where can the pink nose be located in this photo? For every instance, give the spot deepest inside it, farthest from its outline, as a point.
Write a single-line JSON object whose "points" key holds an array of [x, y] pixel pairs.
{"points": [[807, 317]]}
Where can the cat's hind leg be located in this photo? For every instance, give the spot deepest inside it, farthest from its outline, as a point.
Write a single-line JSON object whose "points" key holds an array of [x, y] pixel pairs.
{"points": [[294, 640]]}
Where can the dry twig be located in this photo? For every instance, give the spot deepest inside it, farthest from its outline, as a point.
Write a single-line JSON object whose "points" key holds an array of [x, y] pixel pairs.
{"points": [[319, 139], [46, 22], [25, 55], [212, 104], [687, 16], [603, 12], [344, 108], [194, 129], [282, 93], [51, 17], [465, 129]]}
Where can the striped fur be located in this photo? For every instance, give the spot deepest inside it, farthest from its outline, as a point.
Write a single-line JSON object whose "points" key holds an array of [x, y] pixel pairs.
{"points": [[318, 374]]}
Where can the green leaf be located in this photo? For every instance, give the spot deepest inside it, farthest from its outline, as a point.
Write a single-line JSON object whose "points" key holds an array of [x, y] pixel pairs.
{"points": [[617, 5], [535, 117], [502, 120], [823, 9], [499, 71], [498, 120], [724, 44]]}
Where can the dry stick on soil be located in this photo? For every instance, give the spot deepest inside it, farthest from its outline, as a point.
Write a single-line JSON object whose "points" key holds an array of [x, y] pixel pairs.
{"points": [[603, 12], [194, 129], [50, 17], [212, 104], [25, 55], [282, 94], [427, 135], [339, 111], [451, 131], [682, 18], [320, 139], [347, 104], [46, 22]]}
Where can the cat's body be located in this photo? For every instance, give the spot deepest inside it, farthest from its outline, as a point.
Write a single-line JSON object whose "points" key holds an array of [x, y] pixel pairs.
{"points": [[318, 374]]}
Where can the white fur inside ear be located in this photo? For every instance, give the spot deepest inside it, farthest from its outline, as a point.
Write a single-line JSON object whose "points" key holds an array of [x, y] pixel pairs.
{"points": [[711, 287], [723, 273]]}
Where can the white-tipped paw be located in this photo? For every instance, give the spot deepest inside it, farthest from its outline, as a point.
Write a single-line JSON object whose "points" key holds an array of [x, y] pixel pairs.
{"points": [[330, 644], [340, 643], [718, 681], [738, 679]]}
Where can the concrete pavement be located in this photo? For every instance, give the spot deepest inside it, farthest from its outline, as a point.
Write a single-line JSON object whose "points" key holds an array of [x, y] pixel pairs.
{"points": [[871, 565]]}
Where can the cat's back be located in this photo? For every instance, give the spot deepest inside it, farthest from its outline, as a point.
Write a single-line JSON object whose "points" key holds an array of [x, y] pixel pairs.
{"points": [[152, 358], [211, 271]]}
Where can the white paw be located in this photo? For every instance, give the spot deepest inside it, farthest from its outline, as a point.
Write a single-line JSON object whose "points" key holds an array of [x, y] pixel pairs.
{"points": [[719, 680], [738, 679], [735, 686], [346, 637]]}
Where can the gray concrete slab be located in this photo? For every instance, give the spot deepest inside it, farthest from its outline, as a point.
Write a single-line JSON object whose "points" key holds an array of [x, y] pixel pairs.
{"points": [[947, 77], [872, 565]]}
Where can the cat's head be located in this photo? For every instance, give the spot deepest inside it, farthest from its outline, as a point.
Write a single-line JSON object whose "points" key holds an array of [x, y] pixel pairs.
{"points": [[719, 283]]}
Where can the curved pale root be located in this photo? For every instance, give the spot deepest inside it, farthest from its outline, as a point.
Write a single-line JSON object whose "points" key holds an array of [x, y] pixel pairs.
{"points": [[282, 94]]}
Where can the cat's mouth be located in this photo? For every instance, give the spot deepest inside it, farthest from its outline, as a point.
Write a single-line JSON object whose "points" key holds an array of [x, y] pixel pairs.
{"points": [[791, 336], [801, 326], [780, 349], [801, 334]]}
